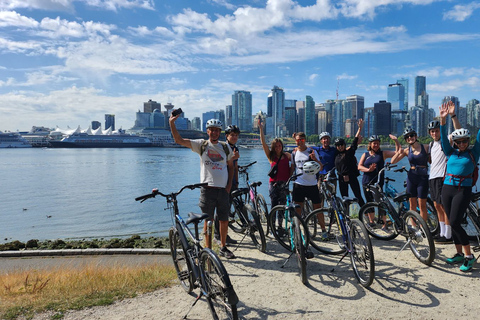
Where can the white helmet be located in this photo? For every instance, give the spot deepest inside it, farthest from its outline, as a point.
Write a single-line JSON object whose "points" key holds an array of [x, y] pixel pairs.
{"points": [[214, 123], [323, 135], [311, 167], [460, 134]]}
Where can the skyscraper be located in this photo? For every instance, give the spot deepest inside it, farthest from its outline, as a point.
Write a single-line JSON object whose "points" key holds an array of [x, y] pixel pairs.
{"points": [[151, 105], [396, 96], [383, 114], [110, 121], [404, 83], [242, 110], [309, 116], [276, 110], [338, 122]]}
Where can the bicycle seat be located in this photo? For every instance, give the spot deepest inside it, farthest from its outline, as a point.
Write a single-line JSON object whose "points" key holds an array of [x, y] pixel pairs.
{"points": [[196, 217], [256, 184], [475, 196], [239, 192], [402, 196], [349, 200]]}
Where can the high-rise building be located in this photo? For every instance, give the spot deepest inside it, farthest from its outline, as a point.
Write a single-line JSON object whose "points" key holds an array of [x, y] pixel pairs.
{"points": [[399, 117], [471, 112], [228, 115], [396, 96], [383, 114], [420, 88], [242, 110], [290, 120], [157, 119], [322, 120], [196, 124], [219, 114], [142, 119], [370, 125], [96, 125], [404, 83], [276, 110], [110, 121], [338, 124], [309, 116], [151, 105]]}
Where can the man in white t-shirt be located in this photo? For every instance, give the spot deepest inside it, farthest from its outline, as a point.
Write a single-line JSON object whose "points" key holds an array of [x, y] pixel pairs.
{"points": [[216, 169]]}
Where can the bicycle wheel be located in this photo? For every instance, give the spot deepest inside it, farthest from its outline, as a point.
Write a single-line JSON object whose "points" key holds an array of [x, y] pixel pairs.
{"points": [[307, 208], [432, 221], [300, 249], [255, 228], [280, 230], [329, 242], [471, 223], [262, 211], [236, 221], [377, 222], [419, 237], [361, 253], [180, 260], [219, 292]]}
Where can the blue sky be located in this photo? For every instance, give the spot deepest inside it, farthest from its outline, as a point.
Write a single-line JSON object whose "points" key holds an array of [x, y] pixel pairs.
{"points": [[68, 62]]}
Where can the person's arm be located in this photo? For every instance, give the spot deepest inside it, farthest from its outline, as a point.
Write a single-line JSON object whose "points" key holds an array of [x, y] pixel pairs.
{"points": [[451, 112], [176, 136], [361, 167], [398, 146], [231, 170], [397, 155], [263, 141], [446, 146]]}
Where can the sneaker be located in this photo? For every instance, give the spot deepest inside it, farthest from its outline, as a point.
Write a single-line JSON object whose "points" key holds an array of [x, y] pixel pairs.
{"points": [[231, 241], [443, 240], [372, 224], [224, 252], [325, 236], [457, 258], [309, 254], [467, 264]]}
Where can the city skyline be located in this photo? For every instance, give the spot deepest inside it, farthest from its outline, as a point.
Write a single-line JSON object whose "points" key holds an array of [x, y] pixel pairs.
{"points": [[68, 63]]}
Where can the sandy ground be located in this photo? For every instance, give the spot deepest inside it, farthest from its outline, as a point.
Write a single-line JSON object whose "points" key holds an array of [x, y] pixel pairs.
{"points": [[403, 288]]}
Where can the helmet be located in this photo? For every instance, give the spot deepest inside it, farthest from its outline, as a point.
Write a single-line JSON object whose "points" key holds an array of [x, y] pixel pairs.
{"points": [[433, 124], [339, 142], [323, 135], [311, 167], [232, 128], [214, 123], [373, 137], [407, 131], [460, 134]]}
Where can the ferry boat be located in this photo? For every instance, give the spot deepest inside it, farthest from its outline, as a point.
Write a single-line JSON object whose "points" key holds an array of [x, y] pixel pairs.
{"points": [[85, 140], [13, 140]]}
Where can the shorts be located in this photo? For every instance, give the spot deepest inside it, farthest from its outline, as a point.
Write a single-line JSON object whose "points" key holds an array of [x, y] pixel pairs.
{"points": [[435, 187], [310, 192], [417, 185], [215, 198]]}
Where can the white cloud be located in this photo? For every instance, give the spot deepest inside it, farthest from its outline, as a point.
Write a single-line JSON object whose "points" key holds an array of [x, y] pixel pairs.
{"points": [[224, 3], [461, 12], [312, 77], [454, 85], [14, 19], [68, 5], [345, 76]]}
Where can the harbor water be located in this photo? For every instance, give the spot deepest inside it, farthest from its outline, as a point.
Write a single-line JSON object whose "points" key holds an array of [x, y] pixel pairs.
{"points": [[89, 193]]}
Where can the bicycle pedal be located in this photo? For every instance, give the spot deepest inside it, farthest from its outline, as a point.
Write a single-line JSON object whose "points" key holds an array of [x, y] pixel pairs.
{"points": [[476, 248], [309, 255]]}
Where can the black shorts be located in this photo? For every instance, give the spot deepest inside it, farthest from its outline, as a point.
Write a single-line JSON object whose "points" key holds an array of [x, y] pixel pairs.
{"points": [[417, 185], [435, 188], [310, 192], [215, 198]]}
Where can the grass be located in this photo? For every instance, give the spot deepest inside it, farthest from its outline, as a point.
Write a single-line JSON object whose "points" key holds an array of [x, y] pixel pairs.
{"points": [[57, 290]]}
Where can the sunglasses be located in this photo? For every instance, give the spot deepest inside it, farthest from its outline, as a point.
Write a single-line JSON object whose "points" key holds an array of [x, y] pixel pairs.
{"points": [[411, 135], [462, 141], [299, 140]]}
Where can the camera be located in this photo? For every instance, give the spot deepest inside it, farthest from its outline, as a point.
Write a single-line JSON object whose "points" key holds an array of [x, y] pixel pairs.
{"points": [[176, 112]]}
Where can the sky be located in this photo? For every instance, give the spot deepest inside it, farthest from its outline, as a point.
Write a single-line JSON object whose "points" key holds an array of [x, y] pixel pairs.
{"points": [[66, 63]]}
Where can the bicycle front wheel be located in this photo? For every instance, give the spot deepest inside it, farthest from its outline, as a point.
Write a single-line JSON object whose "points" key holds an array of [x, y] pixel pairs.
{"points": [[361, 253], [329, 241], [219, 292], [255, 228], [419, 237], [279, 223], [377, 222], [300, 249], [236, 222], [262, 211], [180, 260]]}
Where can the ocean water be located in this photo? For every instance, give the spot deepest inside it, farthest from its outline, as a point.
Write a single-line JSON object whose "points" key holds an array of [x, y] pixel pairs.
{"points": [[89, 193]]}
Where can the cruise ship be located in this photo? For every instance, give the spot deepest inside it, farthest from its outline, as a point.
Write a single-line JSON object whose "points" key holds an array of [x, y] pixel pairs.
{"points": [[84, 140], [13, 140]]}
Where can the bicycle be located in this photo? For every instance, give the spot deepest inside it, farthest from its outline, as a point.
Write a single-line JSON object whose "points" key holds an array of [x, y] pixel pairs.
{"points": [[197, 267], [292, 233], [385, 221], [432, 220], [255, 199], [343, 234], [471, 222]]}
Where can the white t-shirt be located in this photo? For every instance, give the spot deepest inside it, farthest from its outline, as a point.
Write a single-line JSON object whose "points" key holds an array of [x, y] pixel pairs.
{"points": [[439, 161], [213, 163], [300, 158]]}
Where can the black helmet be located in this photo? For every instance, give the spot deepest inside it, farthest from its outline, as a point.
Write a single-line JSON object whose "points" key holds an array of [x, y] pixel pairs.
{"points": [[408, 131], [339, 142], [232, 128], [373, 137], [433, 124]]}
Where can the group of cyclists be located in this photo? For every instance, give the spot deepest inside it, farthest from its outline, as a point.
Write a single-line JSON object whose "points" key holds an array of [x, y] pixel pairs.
{"points": [[449, 181]]}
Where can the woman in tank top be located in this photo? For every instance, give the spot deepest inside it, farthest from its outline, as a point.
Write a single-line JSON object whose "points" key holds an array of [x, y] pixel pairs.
{"points": [[417, 177]]}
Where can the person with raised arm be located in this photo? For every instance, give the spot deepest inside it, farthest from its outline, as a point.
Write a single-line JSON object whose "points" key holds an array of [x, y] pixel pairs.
{"points": [[216, 169], [457, 185]]}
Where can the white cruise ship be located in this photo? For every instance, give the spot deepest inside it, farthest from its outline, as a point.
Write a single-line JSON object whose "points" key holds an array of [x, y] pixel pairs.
{"points": [[13, 140]]}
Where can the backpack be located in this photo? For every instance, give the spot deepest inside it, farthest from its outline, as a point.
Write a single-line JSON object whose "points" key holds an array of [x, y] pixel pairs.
{"points": [[203, 147]]}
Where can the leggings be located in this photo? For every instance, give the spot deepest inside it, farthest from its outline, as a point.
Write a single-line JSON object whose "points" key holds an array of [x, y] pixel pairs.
{"points": [[455, 200], [353, 182]]}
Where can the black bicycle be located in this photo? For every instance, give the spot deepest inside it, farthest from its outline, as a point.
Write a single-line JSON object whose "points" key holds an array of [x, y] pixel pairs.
{"points": [[471, 222], [198, 267], [386, 221]]}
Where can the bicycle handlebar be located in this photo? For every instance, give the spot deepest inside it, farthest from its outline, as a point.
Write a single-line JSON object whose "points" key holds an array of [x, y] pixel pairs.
{"points": [[156, 192], [401, 169], [246, 166], [387, 166]]}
